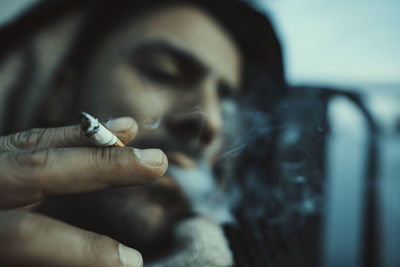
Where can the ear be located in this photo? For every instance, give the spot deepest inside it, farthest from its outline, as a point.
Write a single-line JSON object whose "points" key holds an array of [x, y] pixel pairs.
{"points": [[59, 103]]}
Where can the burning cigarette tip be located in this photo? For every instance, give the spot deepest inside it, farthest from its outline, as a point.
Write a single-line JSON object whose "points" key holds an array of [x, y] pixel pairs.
{"points": [[98, 134]]}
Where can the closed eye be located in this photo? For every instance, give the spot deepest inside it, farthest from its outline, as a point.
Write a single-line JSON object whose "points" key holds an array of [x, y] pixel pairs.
{"points": [[163, 64]]}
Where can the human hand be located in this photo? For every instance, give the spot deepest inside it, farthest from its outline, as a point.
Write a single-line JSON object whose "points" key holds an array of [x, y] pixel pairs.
{"points": [[44, 162]]}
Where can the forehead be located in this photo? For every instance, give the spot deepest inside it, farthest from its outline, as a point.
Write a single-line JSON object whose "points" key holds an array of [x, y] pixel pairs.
{"points": [[193, 31]]}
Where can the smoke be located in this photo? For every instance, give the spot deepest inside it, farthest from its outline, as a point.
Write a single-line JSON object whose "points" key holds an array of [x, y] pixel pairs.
{"points": [[244, 129], [205, 196], [266, 157], [279, 163], [214, 191], [151, 124]]}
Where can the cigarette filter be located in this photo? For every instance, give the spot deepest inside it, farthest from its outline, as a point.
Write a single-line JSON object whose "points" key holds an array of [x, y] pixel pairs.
{"points": [[98, 134]]}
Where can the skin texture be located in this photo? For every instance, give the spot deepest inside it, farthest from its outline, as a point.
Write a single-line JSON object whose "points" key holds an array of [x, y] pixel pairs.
{"points": [[171, 70], [44, 162]]}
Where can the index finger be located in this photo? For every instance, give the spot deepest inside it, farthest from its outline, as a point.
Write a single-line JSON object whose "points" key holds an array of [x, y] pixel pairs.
{"points": [[125, 128]]}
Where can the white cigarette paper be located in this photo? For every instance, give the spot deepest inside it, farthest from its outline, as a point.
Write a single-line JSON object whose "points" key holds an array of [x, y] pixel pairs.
{"points": [[99, 135]]}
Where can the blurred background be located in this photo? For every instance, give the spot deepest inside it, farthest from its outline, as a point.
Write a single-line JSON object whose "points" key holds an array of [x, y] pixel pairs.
{"points": [[339, 42], [324, 42]]}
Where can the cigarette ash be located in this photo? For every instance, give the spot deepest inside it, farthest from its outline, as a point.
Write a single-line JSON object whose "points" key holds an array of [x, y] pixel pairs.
{"points": [[89, 124]]}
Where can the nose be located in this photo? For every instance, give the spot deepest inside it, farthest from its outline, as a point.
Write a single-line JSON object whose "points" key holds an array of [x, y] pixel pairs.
{"points": [[201, 118]]}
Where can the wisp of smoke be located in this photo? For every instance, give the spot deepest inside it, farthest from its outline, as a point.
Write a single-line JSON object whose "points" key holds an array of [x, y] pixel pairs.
{"points": [[240, 133], [205, 196], [151, 124]]}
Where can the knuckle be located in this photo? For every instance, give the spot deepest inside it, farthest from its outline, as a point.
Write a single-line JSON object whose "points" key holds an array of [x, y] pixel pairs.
{"points": [[113, 161], [68, 134], [33, 159], [108, 156], [30, 138]]}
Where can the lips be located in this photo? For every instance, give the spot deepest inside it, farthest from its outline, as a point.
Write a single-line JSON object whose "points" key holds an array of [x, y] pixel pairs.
{"points": [[181, 160]]}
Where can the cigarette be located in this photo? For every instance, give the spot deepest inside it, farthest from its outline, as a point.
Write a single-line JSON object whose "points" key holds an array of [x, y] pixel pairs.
{"points": [[98, 134]]}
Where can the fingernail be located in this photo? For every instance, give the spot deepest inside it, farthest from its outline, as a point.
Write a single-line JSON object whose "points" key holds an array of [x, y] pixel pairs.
{"points": [[130, 257], [151, 157], [121, 124]]}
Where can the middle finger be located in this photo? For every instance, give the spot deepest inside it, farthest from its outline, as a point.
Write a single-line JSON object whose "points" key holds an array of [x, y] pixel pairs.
{"points": [[27, 176]]}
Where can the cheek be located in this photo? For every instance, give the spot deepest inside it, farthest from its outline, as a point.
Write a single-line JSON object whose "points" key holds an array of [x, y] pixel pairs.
{"points": [[133, 96]]}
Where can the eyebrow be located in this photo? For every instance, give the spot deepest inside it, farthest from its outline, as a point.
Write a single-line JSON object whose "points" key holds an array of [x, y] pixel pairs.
{"points": [[172, 50], [178, 53]]}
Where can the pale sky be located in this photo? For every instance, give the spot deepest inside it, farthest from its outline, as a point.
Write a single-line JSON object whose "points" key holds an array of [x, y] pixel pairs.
{"points": [[339, 41]]}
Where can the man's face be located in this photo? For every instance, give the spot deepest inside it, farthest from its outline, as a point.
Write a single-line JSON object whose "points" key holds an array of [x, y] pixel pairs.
{"points": [[172, 70]]}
